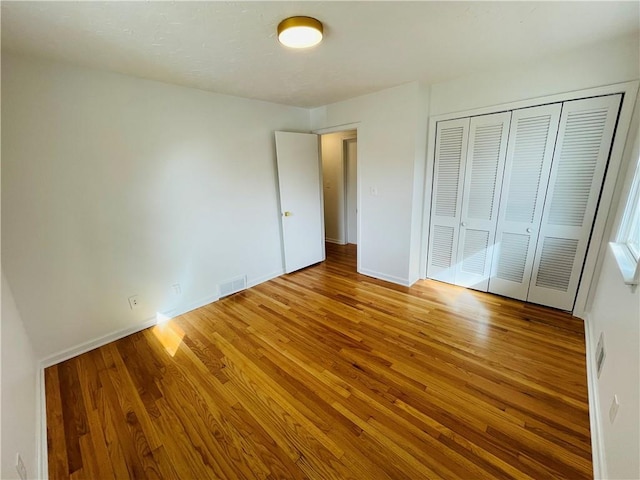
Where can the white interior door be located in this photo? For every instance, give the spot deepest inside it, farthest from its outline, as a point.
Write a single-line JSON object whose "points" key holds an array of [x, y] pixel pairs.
{"points": [[577, 171], [299, 179], [446, 201], [482, 186], [532, 138]]}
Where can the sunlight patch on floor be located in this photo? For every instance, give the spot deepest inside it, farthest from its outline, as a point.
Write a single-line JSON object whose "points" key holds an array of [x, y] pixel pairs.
{"points": [[169, 334]]}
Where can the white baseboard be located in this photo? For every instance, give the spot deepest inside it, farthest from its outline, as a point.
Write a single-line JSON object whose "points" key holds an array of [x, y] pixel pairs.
{"points": [[84, 347], [597, 446], [599, 462], [41, 420], [182, 309], [580, 314], [41, 442], [333, 240], [405, 282], [264, 278], [175, 312], [118, 334]]}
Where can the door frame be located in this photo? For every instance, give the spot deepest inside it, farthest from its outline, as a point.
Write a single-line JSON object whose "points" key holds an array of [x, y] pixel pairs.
{"points": [[603, 222], [342, 128], [345, 165]]}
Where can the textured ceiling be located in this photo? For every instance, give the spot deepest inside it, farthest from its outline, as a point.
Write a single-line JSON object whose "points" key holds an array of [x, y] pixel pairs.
{"points": [[231, 47]]}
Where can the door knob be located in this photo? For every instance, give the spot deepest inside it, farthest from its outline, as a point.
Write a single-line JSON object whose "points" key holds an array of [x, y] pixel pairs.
{"points": [[287, 214], [529, 230], [464, 224]]}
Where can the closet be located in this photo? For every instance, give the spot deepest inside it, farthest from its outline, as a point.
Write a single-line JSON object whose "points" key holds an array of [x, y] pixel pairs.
{"points": [[515, 195]]}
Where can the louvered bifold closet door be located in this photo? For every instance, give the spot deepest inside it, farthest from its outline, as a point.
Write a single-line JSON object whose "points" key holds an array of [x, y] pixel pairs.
{"points": [[577, 171], [446, 199], [532, 137], [482, 184]]}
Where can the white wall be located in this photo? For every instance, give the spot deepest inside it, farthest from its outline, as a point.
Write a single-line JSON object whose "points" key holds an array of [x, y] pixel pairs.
{"points": [[601, 64], [392, 139], [615, 311], [114, 186], [388, 152], [333, 180], [19, 377], [606, 63]]}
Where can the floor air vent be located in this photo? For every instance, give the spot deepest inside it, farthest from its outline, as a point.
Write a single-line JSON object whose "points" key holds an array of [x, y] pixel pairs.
{"points": [[233, 286]]}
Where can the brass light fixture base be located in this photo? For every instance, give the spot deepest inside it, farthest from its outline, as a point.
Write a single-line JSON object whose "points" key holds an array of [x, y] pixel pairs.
{"points": [[300, 32]]}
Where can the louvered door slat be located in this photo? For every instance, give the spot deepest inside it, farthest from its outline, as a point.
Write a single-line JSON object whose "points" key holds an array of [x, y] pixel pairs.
{"points": [[450, 158], [556, 261], [579, 163], [482, 184], [531, 141], [512, 260], [474, 255], [443, 241]]}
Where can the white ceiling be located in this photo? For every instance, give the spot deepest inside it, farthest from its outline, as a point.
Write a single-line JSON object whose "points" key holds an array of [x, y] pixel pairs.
{"points": [[231, 47]]}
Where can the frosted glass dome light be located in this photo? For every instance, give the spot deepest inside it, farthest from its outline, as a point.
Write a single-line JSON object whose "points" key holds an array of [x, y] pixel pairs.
{"points": [[300, 32]]}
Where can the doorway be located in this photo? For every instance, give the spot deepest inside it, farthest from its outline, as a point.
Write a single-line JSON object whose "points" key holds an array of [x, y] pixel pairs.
{"points": [[339, 153]]}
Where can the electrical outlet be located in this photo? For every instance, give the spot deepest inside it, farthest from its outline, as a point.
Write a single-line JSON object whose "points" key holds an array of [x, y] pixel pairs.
{"points": [[613, 409], [134, 301], [177, 289], [22, 470]]}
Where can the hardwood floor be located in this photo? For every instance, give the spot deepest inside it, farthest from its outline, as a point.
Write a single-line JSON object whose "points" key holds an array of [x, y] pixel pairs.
{"points": [[327, 374]]}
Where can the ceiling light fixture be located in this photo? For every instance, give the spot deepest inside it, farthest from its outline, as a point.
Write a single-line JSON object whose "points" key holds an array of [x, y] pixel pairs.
{"points": [[300, 32]]}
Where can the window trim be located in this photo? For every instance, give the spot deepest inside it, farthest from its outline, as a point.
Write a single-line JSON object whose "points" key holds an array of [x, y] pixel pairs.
{"points": [[629, 267], [627, 257]]}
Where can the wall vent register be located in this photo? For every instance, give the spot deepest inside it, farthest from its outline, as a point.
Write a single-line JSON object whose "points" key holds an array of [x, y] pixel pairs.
{"points": [[232, 286]]}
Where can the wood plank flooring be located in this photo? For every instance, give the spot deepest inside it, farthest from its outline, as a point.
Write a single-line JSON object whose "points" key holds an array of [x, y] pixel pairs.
{"points": [[327, 374]]}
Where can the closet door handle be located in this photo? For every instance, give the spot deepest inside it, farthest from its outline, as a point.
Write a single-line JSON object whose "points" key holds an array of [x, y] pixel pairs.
{"points": [[529, 230], [464, 224]]}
